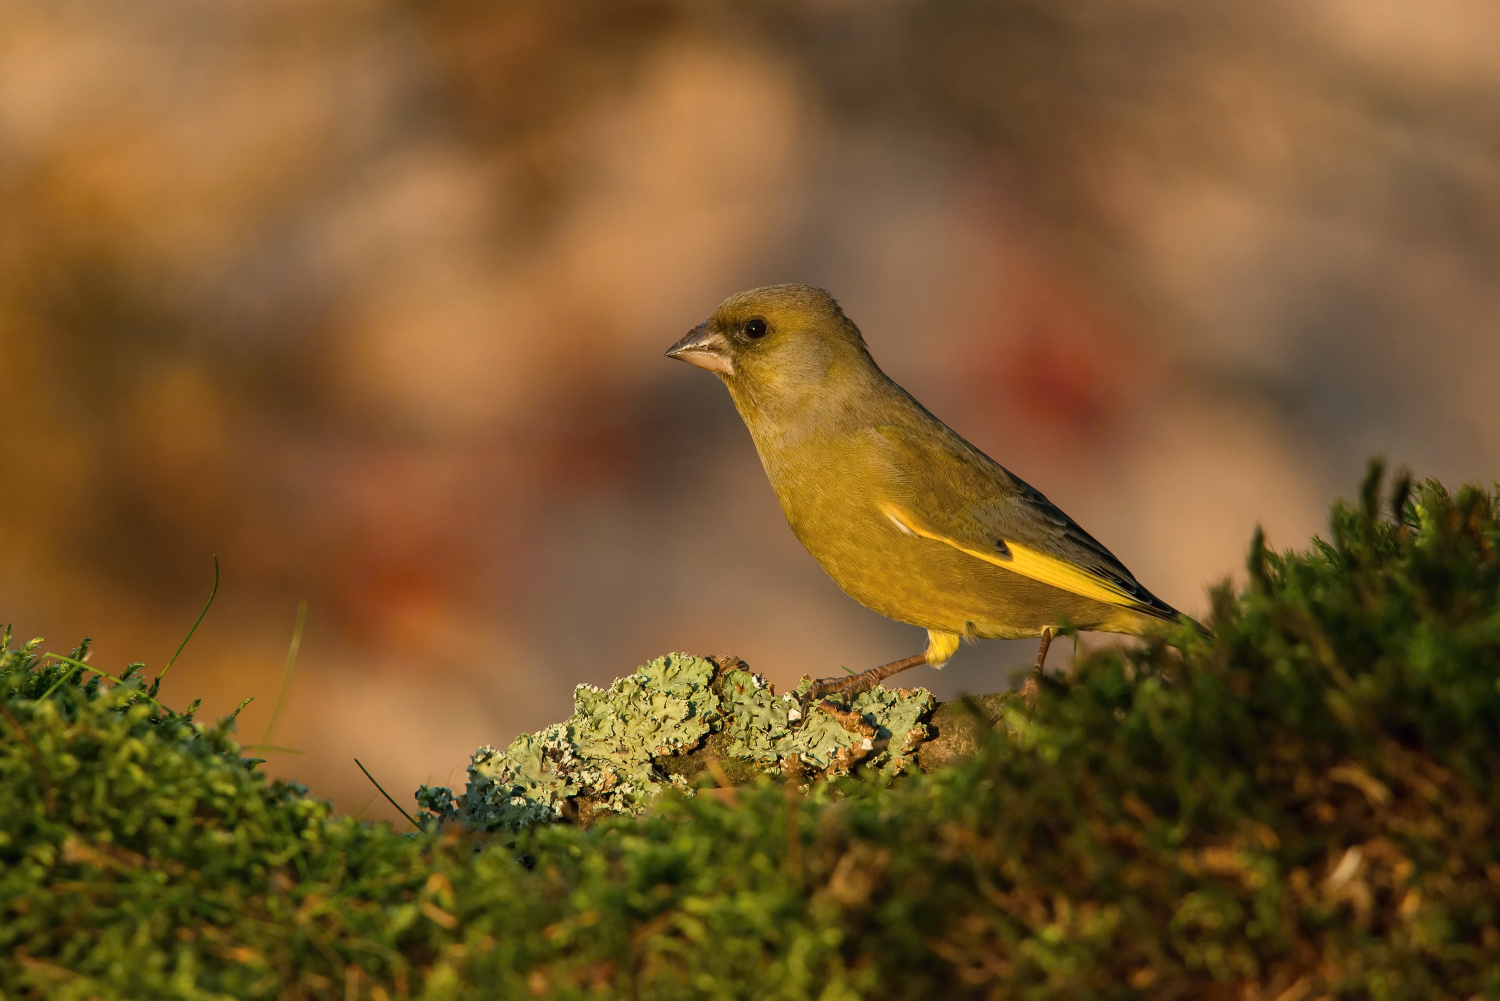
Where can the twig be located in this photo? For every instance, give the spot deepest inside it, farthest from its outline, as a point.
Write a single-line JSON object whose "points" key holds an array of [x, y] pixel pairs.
{"points": [[716, 769], [849, 720], [387, 795], [792, 767]]}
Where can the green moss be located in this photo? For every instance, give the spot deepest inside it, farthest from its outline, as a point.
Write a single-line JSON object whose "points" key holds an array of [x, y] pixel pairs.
{"points": [[1305, 805]]}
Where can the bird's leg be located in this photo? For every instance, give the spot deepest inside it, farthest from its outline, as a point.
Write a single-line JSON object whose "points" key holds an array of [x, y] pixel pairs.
{"points": [[940, 649], [1033, 686], [864, 680]]}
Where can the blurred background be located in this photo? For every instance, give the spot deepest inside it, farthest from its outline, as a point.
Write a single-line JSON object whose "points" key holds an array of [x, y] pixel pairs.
{"points": [[369, 299]]}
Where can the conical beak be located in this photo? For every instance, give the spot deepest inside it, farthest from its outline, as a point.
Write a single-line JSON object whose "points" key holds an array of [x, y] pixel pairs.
{"points": [[704, 348]]}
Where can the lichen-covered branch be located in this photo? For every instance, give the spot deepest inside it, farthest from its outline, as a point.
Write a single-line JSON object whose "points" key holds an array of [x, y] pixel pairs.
{"points": [[661, 726]]}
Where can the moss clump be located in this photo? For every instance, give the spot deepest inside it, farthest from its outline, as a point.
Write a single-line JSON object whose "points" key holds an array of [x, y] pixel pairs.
{"points": [[1306, 805], [652, 730], [141, 856]]}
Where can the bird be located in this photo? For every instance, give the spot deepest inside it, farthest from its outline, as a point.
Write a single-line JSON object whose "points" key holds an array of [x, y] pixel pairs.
{"points": [[906, 516]]}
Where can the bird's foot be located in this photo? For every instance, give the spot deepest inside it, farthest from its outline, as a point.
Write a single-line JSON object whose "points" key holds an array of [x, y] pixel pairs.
{"points": [[854, 684]]}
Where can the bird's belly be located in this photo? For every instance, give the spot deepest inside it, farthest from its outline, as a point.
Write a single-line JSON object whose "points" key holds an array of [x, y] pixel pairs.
{"points": [[931, 584]]}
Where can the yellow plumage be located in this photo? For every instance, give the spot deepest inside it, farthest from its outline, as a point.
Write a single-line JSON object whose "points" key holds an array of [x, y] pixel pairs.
{"points": [[1029, 563]]}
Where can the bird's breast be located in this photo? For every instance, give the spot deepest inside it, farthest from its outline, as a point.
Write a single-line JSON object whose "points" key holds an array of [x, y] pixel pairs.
{"points": [[831, 495]]}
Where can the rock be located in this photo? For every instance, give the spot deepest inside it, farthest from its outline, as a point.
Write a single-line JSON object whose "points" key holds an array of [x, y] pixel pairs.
{"points": [[959, 728]]}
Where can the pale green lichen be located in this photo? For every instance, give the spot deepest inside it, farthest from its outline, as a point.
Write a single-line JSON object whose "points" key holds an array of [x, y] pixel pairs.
{"points": [[601, 755], [764, 728], [625, 744], [755, 717]]}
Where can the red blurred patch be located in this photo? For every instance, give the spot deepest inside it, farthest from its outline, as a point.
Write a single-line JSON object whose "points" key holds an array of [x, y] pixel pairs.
{"points": [[1048, 355], [1060, 381]]}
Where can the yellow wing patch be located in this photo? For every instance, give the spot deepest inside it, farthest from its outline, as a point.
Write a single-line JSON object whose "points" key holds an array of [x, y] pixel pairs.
{"points": [[1029, 563]]}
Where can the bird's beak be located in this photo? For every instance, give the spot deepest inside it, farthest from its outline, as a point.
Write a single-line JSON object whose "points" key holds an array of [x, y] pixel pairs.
{"points": [[704, 348]]}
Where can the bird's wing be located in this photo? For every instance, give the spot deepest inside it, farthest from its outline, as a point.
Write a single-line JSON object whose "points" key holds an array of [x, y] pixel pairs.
{"points": [[943, 488]]}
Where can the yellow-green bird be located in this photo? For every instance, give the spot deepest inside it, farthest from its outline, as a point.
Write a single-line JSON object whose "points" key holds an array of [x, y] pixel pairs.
{"points": [[906, 516]]}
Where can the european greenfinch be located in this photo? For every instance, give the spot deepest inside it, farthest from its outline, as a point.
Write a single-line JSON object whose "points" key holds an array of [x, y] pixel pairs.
{"points": [[906, 516]]}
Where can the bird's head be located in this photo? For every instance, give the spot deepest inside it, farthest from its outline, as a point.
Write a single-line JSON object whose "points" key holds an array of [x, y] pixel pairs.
{"points": [[778, 344]]}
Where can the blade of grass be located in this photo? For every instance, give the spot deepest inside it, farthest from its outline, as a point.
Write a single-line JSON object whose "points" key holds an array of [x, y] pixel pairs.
{"points": [[387, 795], [211, 595], [286, 676], [364, 808], [65, 675]]}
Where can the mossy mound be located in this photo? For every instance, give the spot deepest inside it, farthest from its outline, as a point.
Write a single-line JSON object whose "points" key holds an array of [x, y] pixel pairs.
{"points": [[1306, 805]]}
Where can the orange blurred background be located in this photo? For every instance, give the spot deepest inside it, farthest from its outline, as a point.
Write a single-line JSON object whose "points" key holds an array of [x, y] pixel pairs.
{"points": [[369, 299]]}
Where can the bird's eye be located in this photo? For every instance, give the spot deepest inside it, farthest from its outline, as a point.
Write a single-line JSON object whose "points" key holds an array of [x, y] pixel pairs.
{"points": [[755, 329]]}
